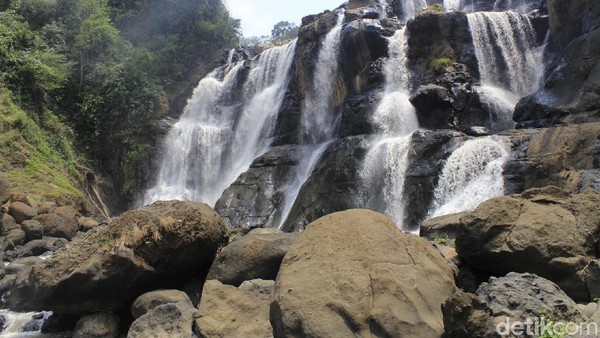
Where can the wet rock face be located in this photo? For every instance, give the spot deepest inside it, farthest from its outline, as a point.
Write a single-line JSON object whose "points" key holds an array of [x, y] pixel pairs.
{"points": [[108, 267], [571, 91], [337, 176], [256, 197]]}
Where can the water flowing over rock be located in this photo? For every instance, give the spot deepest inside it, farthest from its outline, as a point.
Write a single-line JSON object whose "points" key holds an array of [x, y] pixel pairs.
{"points": [[396, 119], [318, 121], [505, 49], [471, 175], [220, 134]]}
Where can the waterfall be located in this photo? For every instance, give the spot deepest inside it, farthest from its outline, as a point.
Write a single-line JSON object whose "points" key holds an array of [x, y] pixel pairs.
{"points": [[508, 62], [410, 8], [471, 175], [216, 140], [396, 119], [21, 325], [318, 119], [453, 5], [504, 47]]}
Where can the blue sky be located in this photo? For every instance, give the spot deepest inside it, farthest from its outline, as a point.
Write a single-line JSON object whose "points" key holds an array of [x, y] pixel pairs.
{"points": [[259, 16]]}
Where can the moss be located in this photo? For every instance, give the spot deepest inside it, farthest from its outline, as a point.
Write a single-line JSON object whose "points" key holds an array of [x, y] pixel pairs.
{"points": [[37, 158], [437, 8], [440, 63]]}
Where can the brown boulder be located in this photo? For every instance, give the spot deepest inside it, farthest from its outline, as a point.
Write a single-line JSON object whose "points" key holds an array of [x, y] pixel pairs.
{"points": [[154, 247], [21, 212], [354, 273]]}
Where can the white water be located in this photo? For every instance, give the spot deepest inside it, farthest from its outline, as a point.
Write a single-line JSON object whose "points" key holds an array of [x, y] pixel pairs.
{"points": [[508, 62], [410, 8], [23, 324], [318, 119], [512, 66], [453, 5], [471, 175], [214, 142], [396, 118]]}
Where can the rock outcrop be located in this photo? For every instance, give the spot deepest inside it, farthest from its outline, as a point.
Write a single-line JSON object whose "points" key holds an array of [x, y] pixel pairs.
{"points": [[159, 246], [571, 91], [546, 231], [502, 302], [394, 287]]}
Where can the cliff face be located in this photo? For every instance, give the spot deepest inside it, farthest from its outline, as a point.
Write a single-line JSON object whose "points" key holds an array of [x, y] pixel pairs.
{"points": [[571, 82], [461, 83]]}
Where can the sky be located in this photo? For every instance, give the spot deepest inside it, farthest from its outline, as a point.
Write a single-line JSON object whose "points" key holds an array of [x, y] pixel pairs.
{"points": [[259, 16]]}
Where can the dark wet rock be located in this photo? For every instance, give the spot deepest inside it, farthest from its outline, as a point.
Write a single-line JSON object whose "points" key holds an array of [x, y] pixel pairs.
{"points": [[256, 197], [33, 230], [167, 320], [337, 176]]}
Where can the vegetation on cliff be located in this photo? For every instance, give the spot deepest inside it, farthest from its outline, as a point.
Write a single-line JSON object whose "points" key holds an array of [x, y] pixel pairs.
{"points": [[102, 69]]}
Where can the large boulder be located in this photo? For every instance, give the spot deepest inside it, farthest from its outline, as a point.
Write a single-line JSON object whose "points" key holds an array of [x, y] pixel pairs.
{"points": [[256, 255], [97, 325], [502, 302], [226, 311], [354, 273], [21, 212], [154, 247], [56, 225], [149, 300], [546, 231], [165, 321]]}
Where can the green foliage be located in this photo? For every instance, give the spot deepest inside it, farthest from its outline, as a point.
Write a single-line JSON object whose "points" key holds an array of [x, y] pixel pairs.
{"points": [[444, 240], [440, 64], [437, 8], [547, 320], [284, 30], [28, 66], [137, 156], [37, 160], [100, 66]]}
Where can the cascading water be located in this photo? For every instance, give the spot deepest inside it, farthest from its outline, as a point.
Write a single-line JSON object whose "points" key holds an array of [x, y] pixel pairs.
{"points": [[21, 325], [508, 61], [396, 118], [453, 5], [215, 140], [504, 46], [471, 175], [318, 121], [410, 8]]}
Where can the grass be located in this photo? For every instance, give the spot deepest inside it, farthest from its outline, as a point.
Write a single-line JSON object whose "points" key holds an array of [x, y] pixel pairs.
{"points": [[440, 64], [437, 8], [37, 157]]}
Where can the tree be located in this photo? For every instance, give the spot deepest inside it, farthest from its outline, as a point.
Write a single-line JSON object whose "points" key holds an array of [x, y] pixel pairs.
{"points": [[284, 30]]}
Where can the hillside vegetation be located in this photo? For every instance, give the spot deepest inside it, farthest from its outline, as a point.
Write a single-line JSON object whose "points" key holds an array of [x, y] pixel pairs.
{"points": [[89, 77]]}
